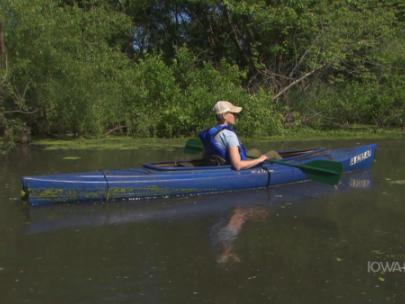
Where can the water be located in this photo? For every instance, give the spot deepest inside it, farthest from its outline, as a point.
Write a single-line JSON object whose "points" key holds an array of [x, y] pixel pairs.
{"points": [[306, 243]]}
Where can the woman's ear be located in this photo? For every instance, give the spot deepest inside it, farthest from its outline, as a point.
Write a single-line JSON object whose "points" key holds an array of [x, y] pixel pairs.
{"points": [[220, 118]]}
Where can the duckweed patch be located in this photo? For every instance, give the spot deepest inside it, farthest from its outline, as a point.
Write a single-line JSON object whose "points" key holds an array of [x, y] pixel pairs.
{"points": [[65, 195], [46, 193], [153, 190], [352, 132], [129, 143], [71, 157], [110, 143]]}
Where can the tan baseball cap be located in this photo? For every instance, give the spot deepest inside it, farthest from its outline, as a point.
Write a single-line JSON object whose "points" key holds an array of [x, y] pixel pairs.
{"points": [[224, 106]]}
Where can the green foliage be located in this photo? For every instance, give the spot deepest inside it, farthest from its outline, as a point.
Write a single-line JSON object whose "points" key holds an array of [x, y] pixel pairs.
{"points": [[202, 84], [155, 68], [151, 92], [374, 95], [382, 105], [70, 68], [260, 117]]}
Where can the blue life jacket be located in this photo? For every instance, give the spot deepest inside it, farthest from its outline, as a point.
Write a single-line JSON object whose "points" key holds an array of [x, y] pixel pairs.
{"points": [[212, 147]]}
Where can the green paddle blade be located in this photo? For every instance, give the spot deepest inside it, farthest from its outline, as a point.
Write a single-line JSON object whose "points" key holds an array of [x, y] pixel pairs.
{"points": [[324, 171], [193, 145]]}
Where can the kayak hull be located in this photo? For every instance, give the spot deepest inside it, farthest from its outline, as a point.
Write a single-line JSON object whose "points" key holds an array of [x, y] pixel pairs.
{"points": [[166, 179], [62, 216]]}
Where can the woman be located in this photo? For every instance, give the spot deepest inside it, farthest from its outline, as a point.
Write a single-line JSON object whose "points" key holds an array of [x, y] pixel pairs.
{"points": [[221, 141]]}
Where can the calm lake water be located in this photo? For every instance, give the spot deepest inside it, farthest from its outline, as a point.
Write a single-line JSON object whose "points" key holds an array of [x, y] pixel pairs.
{"points": [[304, 243]]}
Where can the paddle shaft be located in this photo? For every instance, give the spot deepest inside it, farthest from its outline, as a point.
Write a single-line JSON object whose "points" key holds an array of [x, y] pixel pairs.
{"points": [[303, 166]]}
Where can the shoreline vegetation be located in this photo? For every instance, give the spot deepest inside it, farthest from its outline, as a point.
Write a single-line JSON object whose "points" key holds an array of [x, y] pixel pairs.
{"points": [[154, 69], [129, 143]]}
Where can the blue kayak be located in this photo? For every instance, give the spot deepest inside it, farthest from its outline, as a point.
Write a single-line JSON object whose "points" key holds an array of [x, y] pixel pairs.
{"points": [[62, 216], [179, 178]]}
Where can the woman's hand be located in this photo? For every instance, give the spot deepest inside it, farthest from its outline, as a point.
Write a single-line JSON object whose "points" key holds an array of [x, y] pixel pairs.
{"points": [[262, 158]]}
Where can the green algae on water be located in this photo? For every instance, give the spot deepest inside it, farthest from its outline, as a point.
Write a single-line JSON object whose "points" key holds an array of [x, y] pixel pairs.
{"points": [[71, 158], [118, 143], [110, 143]]}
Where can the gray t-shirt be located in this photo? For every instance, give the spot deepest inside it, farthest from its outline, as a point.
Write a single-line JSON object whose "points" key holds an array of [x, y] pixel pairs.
{"points": [[227, 139]]}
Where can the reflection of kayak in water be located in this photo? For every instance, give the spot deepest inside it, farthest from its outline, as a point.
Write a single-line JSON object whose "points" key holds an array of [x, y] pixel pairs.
{"points": [[67, 216], [183, 178]]}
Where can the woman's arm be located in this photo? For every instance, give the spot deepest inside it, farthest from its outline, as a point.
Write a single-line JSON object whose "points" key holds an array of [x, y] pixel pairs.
{"points": [[239, 164]]}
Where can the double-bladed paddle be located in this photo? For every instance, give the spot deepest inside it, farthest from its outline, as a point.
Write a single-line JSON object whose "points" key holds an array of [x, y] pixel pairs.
{"points": [[324, 171]]}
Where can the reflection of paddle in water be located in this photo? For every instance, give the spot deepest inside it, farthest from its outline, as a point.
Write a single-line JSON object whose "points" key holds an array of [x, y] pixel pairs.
{"points": [[225, 233]]}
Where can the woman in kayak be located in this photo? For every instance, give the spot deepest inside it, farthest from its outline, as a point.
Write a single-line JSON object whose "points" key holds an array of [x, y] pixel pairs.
{"points": [[221, 144]]}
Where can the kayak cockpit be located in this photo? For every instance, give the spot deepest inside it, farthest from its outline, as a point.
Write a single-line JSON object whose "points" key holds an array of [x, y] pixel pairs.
{"points": [[198, 164], [179, 165]]}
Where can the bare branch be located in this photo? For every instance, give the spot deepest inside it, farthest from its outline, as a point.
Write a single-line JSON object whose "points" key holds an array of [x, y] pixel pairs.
{"points": [[295, 82], [301, 60], [21, 112], [119, 127], [267, 72]]}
